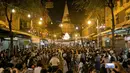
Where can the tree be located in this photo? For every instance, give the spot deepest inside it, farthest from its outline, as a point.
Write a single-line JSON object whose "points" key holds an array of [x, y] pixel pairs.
{"points": [[94, 9], [9, 16], [111, 6], [24, 6], [92, 5]]}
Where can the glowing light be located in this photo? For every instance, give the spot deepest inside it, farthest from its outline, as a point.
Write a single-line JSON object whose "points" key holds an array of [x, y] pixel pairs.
{"points": [[76, 35], [51, 23], [54, 35], [66, 36], [29, 31], [13, 11], [89, 22], [39, 22], [29, 15], [77, 28], [41, 19], [61, 25]]}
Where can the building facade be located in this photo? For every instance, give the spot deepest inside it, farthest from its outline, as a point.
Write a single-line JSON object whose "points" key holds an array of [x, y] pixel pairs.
{"points": [[27, 26], [122, 23]]}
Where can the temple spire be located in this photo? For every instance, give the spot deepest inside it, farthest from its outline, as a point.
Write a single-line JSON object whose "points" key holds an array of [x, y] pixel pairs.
{"points": [[65, 17]]}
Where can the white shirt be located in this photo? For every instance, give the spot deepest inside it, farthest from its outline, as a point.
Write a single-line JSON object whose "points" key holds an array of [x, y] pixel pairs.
{"points": [[54, 61], [80, 67], [37, 70]]}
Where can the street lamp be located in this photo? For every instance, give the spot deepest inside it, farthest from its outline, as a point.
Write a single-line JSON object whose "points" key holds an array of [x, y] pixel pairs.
{"points": [[39, 22], [76, 35], [54, 35], [98, 30], [29, 16], [41, 19], [77, 28], [13, 11], [61, 25], [51, 23], [89, 22]]}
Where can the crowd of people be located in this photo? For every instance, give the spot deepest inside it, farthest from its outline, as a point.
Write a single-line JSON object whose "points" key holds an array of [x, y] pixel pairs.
{"points": [[64, 59]]}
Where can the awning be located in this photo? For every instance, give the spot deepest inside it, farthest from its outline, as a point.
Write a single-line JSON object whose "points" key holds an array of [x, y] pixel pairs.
{"points": [[24, 33], [5, 33], [106, 32], [3, 24], [4, 30]]}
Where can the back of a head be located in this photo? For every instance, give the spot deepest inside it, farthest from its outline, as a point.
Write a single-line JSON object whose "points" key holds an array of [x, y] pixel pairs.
{"points": [[19, 66], [39, 64], [6, 71]]}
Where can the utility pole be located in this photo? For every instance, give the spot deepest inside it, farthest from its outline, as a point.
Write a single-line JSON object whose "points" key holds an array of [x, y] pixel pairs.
{"points": [[81, 36], [111, 6]]}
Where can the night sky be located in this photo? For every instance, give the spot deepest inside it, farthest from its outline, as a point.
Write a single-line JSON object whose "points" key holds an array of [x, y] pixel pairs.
{"points": [[56, 13]]}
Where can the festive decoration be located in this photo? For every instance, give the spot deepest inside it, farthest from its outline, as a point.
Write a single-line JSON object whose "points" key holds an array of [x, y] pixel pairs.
{"points": [[66, 36]]}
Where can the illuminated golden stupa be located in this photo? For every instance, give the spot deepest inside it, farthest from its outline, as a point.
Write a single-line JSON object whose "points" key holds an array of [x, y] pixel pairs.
{"points": [[67, 26]]}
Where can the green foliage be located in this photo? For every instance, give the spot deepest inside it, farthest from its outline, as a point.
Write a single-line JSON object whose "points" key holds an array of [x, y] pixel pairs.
{"points": [[93, 8], [89, 5], [34, 6]]}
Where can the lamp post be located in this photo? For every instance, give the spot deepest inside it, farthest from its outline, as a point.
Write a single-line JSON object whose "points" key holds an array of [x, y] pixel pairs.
{"points": [[31, 24], [40, 23], [55, 36], [98, 31]]}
